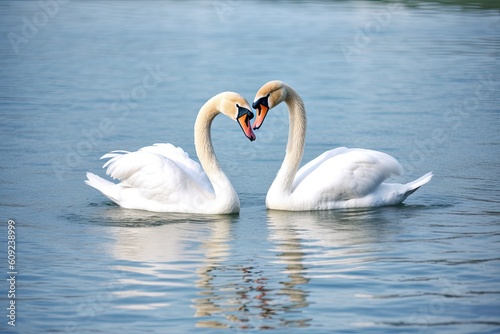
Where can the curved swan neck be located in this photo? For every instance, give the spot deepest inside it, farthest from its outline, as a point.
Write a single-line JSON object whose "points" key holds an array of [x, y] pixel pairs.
{"points": [[223, 188], [296, 140]]}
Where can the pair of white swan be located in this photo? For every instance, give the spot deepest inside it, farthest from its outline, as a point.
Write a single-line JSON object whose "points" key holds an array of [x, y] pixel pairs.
{"points": [[163, 178]]}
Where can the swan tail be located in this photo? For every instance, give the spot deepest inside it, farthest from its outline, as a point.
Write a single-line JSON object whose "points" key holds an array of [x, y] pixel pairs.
{"points": [[414, 185], [107, 188]]}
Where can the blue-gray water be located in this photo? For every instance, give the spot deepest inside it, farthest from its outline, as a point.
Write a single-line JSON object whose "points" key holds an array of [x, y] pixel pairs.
{"points": [[419, 81]]}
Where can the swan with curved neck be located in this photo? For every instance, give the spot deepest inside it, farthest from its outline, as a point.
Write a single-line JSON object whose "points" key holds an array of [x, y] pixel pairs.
{"points": [[163, 178], [338, 178]]}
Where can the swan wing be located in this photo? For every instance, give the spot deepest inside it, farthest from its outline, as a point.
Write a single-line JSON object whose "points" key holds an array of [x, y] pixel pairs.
{"points": [[183, 161], [161, 173], [312, 165], [343, 174]]}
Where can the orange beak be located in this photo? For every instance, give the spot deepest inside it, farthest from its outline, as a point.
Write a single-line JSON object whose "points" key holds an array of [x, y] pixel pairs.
{"points": [[261, 115], [244, 122]]}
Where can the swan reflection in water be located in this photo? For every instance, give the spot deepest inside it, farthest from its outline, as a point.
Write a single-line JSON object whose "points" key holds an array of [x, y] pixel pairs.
{"points": [[327, 244], [155, 255], [247, 294], [250, 294], [235, 289]]}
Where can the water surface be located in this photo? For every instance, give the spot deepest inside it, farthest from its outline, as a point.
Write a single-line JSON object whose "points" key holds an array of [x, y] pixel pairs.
{"points": [[417, 80]]}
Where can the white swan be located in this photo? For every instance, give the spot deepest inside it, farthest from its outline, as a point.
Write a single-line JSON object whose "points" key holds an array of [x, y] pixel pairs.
{"points": [[163, 178], [339, 178]]}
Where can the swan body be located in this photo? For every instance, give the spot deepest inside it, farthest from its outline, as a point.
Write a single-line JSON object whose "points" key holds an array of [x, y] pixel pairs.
{"points": [[338, 178], [162, 177]]}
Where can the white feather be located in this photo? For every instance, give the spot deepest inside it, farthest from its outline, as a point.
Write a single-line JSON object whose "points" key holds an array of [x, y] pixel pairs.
{"points": [[163, 178], [155, 178], [338, 178]]}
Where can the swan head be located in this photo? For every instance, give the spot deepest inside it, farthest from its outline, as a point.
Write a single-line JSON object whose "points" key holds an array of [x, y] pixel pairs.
{"points": [[268, 96], [236, 107]]}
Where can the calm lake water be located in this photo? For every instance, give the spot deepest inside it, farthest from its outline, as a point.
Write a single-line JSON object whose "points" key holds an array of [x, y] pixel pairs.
{"points": [[418, 80]]}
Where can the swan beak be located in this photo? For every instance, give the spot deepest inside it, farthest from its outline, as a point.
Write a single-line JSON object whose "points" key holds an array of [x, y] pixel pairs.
{"points": [[261, 115], [244, 122]]}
